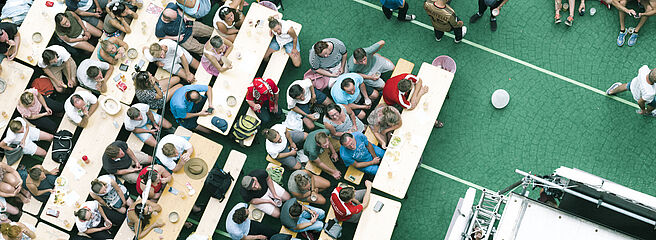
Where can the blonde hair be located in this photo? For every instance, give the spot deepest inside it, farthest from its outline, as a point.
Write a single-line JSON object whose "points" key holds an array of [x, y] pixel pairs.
{"points": [[15, 125], [389, 116], [168, 149], [301, 180], [154, 49], [321, 137], [12, 231], [27, 98]]}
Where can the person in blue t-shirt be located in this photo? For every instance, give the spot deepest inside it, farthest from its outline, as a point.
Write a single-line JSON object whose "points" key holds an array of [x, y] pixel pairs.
{"points": [[356, 150], [402, 5], [169, 23], [187, 105], [349, 89]]}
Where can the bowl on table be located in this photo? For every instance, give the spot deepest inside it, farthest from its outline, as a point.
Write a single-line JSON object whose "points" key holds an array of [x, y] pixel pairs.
{"points": [[3, 85], [36, 37], [174, 217], [231, 101], [132, 53], [110, 105]]}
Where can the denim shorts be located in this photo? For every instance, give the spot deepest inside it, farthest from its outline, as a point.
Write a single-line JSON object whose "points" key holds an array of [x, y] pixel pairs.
{"points": [[288, 47]]}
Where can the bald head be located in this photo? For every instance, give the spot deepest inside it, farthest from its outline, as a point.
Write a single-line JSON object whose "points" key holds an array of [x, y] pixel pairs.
{"points": [[169, 15]]}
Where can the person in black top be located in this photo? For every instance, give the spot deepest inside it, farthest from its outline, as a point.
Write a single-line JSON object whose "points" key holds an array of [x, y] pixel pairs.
{"points": [[9, 40], [495, 8], [260, 190], [120, 160]]}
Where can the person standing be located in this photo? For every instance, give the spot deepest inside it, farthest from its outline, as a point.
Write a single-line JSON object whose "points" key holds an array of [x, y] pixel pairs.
{"points": [[390, 5], [495, 8], [444, 19]]}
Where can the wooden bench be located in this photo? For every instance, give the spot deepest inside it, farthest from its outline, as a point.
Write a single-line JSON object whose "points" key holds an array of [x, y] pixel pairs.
{"points": [[330, 215], [183, 132], [125, 232], [28, 219], [271, 160], [47, 232], [284, 230], [134, 142], [212, 214]]}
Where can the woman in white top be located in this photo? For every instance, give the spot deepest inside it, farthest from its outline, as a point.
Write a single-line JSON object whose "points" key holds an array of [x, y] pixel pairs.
{"points": [[285, 36], [110, 193], [176, 62], [228, 19], [20, 134]]}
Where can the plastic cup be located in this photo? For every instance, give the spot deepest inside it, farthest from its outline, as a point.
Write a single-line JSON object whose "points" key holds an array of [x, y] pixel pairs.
{"points": [[85, 159], [389, 174], [593, 11], [313, 197], [495, 12]]}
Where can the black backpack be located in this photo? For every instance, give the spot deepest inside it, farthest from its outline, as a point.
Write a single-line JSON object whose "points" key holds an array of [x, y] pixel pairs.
{"points": [[62, 144], [218, 182]]}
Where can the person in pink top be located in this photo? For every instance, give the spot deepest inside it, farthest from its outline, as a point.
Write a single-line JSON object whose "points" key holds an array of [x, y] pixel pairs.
{"points": [[38, 109]]}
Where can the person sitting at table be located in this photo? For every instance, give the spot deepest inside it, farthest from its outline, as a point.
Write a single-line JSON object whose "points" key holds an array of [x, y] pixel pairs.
{"points": [[349, 89], [262, 96], [317, 142], [39, 181], [171, 149], [23, 135], [349, 203], [328, 61], [383, 121], [99, 222], [240, 226], [139, 217], [110, 193], [397, 91], [55, 61], [306, 186], [138, 116], [11, 185], [358, 151], [187, 104], [17, 231], [228, 19], [285, 36], [36, 109], [92, 74], [301, 218], [258, 189], [215, 55], [9, 40], [118, 159], [15, 10], [159, 176], [112, 50], [341, 119], [80, 106], [301, 95], [89, 10], [284, 148], [177, 62], [195, 8], [369, 64], [151, 91], [169, 22], [75, 32], [118, 19]]}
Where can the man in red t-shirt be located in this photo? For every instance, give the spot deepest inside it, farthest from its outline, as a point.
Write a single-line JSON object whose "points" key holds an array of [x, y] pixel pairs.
{"points": [[262, 97], [397, 91], [349, 203]]}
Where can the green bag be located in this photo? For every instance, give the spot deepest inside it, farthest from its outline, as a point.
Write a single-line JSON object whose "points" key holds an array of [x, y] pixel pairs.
{"points": [[275, 172]]}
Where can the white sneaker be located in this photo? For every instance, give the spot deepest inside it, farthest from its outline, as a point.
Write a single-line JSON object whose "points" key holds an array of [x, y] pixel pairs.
{"points": [[464, 31], [612, 87]]}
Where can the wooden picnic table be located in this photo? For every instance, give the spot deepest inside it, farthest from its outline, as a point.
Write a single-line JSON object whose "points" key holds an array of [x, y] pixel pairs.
{"points": [[40, 18], [251, 44], [183, 202], [378, 225], [400, 162], [101, 130], [47, 232], [142, 35], [16, 77]]}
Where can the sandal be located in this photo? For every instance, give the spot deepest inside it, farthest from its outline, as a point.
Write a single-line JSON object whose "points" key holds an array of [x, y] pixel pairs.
{"points": [[438, 124], [409, 17], [557, 17], [569, 21]]}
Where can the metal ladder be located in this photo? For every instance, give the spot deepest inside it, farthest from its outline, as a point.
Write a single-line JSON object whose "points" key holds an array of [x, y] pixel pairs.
{"points": [[485, 215]]}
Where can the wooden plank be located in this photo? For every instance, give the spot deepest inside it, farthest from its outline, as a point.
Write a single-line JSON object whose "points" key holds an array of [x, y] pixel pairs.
{"points": [[370, 136], [102, 129], [16, 77], [284, 230], [210, 219], [124, 232], [183, 202], [353, 175], [403, 66], [183, 132], [378, 225], [252, 44], [32, 207], [39, 18], [134, 142], [393, 177], [47, 232], [28, 219], [251, 209], [330, 215]]}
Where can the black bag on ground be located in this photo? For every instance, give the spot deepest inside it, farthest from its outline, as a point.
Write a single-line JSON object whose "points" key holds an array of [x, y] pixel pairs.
{"points": [[333, 229], [218, 182], [62, 144], [14, 155]]}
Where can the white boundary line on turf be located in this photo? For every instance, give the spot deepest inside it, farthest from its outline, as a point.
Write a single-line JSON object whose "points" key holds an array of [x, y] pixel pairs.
{"points": [[454, 178], [503, 55]]}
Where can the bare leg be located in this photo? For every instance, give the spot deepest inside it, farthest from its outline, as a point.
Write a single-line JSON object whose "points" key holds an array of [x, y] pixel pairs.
{"points": [[151, 141], [86, 46], [619, 89], [622, 15], [268, 53]]}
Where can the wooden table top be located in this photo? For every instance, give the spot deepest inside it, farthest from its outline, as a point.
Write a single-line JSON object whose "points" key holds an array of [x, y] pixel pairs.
{"points": [[378, 225], [101, 130], [251, 43], [47, 232], [400, 162], [41, 19], [176, 203], [142, 35], [16, 77]]}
